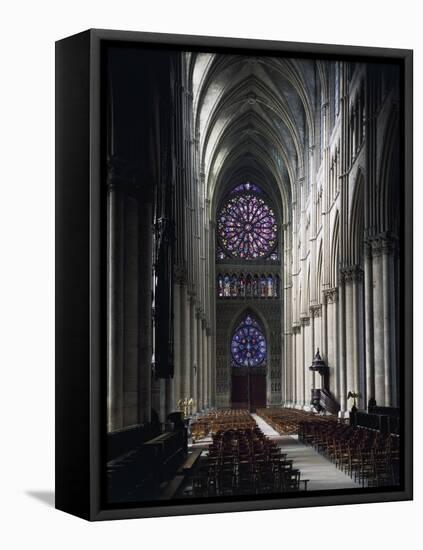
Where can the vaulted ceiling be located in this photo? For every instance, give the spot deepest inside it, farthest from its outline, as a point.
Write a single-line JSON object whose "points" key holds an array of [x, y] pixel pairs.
{"points": [[254, 118]]}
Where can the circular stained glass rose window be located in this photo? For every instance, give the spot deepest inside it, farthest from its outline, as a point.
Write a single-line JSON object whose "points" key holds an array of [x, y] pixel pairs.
{"points": [[246, 227], [248, 346]]}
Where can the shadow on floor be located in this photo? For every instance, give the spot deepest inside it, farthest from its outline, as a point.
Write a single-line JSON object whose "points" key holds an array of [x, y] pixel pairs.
{"points": [[46, 497]]}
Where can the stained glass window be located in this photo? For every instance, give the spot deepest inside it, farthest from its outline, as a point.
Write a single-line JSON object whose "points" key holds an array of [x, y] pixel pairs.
{"points": [[220, 254], [220, 286], [246, 227], [226, 286], [248, 346], [246, 187], [240, 286]]}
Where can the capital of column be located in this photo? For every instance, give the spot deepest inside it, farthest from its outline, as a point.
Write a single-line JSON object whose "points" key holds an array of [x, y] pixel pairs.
{"points": [[331, 295], [316, 310], [367, 249], [382, 244], [180, 275], [198, 312], [121, 176], [351, 274], [296, 328], [305, 320]]}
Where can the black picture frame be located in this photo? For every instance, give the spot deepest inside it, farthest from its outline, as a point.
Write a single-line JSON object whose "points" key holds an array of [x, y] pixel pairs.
{"points": [[80, 308]]}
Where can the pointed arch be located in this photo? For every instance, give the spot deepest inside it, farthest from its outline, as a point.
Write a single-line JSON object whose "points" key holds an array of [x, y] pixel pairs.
{"points": [[389, 176], [319, 273], [334, 252], [257, 315], [308, 290], [248, 342], [356, 225]]}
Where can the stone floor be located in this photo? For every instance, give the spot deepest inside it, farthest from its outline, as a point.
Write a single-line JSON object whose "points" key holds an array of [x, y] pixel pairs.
{"points": [[323, 475]]}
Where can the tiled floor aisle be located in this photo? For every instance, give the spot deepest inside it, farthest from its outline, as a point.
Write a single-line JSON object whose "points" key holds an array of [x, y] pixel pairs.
{"points": [[320, 471]]}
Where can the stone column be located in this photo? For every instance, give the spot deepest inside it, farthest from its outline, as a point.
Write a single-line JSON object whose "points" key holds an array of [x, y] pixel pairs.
{"points": [[177, 377], [287, 375], [145, 316], [170, 396], [307, 359], [210, 379], [131, 305], [299, 367], [185, 343], [331, 307], [350, 343], [387, 336], [158, 398], [200, 364], [392, 327], [115, 281], [316, 316], [330, 350], [285, 292], [354, 278], [192, 337], [342, 353], [313, 374], [369, 336], [384, 314], [378, 323], [205, 367], [336, 378], [293, 362], [360, 372], [324, 335]]}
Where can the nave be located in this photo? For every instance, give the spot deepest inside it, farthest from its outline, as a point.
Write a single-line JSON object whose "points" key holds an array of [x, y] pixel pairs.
{"points": [[254, 268], [276, 451]]}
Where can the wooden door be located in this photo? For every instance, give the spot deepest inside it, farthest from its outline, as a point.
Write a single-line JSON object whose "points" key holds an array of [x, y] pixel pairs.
{"points": [[248, 391], [239, 394], [257, 391]]}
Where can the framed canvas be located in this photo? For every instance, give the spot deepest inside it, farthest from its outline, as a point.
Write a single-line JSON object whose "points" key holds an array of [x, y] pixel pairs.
{"points": [[233, 275]]}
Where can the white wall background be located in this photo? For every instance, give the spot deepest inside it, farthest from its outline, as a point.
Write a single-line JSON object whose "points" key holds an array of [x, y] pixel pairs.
{"points": [[28, 32]]}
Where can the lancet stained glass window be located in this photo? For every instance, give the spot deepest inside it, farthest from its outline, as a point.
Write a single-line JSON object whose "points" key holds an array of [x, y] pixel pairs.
{"points": [[246, 226], [248, 346]]}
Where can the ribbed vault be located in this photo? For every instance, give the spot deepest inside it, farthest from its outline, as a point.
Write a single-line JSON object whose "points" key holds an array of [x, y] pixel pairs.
{"points": [[253, 118]]}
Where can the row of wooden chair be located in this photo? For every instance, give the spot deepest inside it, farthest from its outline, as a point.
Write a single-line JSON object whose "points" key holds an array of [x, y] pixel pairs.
{"points": [[222, 419], [367, 456], [286, 421], [244, 461]]}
